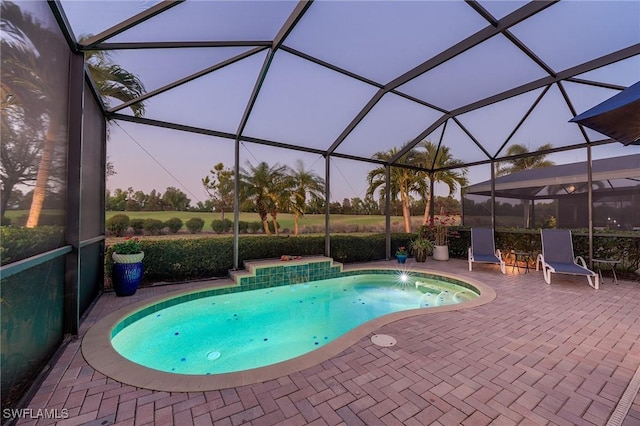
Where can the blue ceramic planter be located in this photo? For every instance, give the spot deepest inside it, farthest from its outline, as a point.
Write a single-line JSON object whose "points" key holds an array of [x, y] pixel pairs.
{"points": [[126, 278], [402, 258]]}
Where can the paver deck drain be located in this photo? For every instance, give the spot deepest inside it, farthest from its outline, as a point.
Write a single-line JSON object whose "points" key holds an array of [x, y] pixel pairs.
{"points": [[383, 340], [622, 409]]}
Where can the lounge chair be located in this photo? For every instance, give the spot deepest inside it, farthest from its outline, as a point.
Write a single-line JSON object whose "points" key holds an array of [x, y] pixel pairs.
{"points": [[483, 248], [557, 257]]}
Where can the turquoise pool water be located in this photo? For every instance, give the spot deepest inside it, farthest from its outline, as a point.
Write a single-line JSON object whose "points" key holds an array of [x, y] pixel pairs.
{"points": [[244, 330]]}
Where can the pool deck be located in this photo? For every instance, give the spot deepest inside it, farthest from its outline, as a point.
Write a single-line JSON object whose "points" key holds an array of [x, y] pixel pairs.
{"points": [[559, 354]]}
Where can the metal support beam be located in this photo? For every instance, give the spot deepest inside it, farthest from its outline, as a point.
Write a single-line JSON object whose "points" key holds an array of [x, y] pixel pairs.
{"points": [[74, 195], [493, 195], [188, 79], [63, 23], [484, 34], [293, 19], [327, 200], [131, 22], [232, 137], [180, 44], [287, 27], [522, 120], [387, 208], [572, 109], [473, 138], [544, 81], [236, 206], [590, 202]]}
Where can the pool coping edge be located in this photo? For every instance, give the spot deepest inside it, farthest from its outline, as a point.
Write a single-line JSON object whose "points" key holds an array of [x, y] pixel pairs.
{"points": [[99, 353]]}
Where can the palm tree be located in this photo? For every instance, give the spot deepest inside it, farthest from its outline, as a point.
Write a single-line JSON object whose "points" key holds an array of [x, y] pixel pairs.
{"points": [[534, 161], [113, 81], [280, 198], [261, 185], [403, 182], [435, 160], [304, 183], [33, 77], [524, 163]]}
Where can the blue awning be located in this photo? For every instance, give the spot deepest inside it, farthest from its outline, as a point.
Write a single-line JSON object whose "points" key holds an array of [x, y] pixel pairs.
{"points": [[618, 117]]}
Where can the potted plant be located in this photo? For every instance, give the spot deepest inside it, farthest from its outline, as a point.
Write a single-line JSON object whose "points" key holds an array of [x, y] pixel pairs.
{"points": [[439, 230], [421, 248], [127, 269], [402, 254]]}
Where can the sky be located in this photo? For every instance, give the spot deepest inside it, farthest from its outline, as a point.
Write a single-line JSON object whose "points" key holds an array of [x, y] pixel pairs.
{"points": [[306, 104]]}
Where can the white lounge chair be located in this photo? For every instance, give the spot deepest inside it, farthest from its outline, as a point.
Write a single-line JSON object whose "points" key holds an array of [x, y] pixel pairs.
{"points": [[557, 257], [483, 248]]}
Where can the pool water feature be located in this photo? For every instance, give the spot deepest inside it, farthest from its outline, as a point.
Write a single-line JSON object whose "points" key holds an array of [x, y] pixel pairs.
{"points": [[246, 330]]}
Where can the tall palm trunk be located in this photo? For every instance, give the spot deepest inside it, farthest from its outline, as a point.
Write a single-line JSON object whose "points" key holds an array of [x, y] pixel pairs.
{"points": [[44, 171], [296, 224], [265, 221], [406, 214], [427, 207], [274, 220]]}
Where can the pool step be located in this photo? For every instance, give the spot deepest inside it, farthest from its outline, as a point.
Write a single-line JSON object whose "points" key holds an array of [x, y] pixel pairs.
{"points": [[275, 272], [437, 295]]}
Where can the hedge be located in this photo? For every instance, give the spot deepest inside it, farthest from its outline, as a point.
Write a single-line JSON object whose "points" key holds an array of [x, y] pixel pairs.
{"points": [[195, 258], [17, 243]]}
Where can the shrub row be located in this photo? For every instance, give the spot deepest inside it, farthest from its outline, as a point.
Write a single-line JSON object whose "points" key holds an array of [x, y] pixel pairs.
{"points": [[119, 225]]}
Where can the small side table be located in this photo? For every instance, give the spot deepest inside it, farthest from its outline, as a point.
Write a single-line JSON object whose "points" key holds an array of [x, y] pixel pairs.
{"points": [[523, 256], [611, 262]]}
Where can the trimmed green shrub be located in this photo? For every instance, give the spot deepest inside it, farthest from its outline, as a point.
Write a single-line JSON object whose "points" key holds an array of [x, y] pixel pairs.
{"points": [[153, 226], [243, 226], [254, 227], [118, 225], [221, 226], [5, 221], [174, 224], [137, 225], [195, 225], [218, 226]]}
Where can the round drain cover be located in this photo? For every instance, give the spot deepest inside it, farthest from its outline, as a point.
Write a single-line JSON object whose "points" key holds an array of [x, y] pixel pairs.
{"points": [[213, 355], [383, 340]]}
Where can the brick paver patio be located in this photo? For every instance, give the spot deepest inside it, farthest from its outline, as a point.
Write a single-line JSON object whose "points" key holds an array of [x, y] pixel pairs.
{"points": [[562, 354]]}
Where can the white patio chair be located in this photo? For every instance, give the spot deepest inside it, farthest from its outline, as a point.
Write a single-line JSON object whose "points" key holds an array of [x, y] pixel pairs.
{"points": [[557, 257]]}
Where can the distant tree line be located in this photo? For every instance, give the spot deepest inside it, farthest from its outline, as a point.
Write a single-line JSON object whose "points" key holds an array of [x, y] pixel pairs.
{"points": [[175, 200]]}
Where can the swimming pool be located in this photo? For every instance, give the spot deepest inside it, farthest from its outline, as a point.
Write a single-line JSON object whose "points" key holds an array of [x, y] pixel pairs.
{"points": [[197, 341], [250, 329]]}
